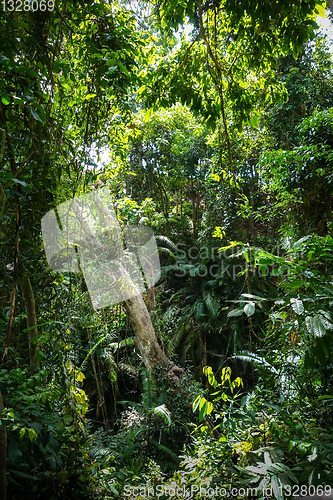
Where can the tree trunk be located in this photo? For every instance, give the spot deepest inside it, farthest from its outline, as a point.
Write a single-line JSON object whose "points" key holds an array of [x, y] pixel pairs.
{"points": [[3, 457], [29, 299], [145, 338]]}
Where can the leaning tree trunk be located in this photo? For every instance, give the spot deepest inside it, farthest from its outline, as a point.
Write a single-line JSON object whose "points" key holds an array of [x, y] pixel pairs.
{"points": [[145, 337]]}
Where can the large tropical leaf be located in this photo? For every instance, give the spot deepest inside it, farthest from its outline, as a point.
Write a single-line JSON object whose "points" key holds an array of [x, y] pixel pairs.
{"points": [[249, 309], [315, 326], [235, 312], [297, 306]]}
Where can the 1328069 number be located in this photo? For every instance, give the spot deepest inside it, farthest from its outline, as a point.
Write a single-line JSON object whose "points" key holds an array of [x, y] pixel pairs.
{"points": [[27, 5]]}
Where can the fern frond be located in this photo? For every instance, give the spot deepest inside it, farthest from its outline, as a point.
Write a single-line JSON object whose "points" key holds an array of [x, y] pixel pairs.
{"points": [[176, 339], [148, 391], [91, 351], [211, 302], [99, 452], [200, 312]]}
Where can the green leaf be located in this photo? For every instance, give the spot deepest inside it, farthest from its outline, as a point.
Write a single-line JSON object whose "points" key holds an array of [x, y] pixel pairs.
{"points": [[195, 403], [40, 356], [324, 347], [263, 270], [254, 121], [235, 312], [314, 326], [35, 114], [249, 309], [250, 296], [277, 488], [113, 489], [5, 100], [203, 411], [22, 474], [112, 69], [299, 242], [32, 435], [68, 419], [14, 453], [257, 470], [17, 181], [291, 444], [297, 306], [265, 261], [209, 407]]}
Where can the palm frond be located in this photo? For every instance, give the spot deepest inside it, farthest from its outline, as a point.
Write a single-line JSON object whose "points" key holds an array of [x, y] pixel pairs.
{"points": [[167, 251], [167, 451], [163, 412], [114, 345], [166, 242], [251, 357]]}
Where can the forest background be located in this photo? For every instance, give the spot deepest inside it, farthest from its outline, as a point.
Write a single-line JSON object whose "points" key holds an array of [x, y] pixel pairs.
{"points": [[218, 120]]}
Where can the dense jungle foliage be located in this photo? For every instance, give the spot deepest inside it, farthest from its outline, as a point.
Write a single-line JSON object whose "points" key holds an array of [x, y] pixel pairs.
{"points": [[212, 124]]}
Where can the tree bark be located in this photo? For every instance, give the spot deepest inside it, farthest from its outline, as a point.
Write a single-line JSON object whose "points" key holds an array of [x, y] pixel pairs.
{"points": [[145, 338], [29, 299]]}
